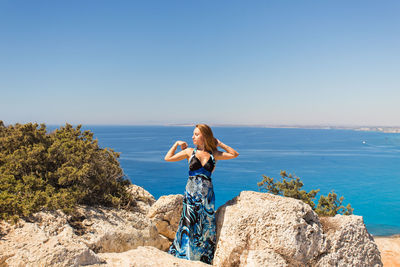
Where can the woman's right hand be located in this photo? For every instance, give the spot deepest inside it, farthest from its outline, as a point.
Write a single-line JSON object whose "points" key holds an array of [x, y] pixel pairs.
{"points": [[183, 144], [217, 142]]}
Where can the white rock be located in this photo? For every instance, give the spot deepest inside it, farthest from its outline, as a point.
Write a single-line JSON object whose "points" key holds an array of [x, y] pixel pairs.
{"points": [[166, 213], [31, 244], [253, 223], [146, 257], [53, 238], [114, 230], [256, 258], [143, 198], [350, 244]]}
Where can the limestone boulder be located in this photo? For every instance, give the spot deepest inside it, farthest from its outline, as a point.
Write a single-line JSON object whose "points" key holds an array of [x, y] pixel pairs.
{"points": [[143, 198], [57, 239], [349, 243], [109, 230], [145, 257], [47, 241], [262, 257], [166, 213], [260, 229]]}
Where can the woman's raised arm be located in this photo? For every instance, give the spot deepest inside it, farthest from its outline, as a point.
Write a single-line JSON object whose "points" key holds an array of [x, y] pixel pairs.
{"points": [[179, 156], [229, 154]]}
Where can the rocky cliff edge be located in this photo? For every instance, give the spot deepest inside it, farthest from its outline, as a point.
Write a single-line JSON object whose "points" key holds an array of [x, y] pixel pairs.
{"points": [[253, 229]]}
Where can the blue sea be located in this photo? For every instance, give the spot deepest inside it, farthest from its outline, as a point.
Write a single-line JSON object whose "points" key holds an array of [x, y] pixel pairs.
{"points": [[364, 167]]}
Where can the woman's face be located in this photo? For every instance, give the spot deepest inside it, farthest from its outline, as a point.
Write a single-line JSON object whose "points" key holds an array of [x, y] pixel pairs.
{"points": [[197, 137]]}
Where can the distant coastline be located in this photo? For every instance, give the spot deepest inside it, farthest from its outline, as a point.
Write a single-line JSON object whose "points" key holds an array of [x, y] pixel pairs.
{"points": [[380, 129], [384, 129]]}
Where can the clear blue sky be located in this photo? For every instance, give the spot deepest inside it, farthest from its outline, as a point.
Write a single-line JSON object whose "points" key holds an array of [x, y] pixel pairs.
{"points": [[225, 62]]}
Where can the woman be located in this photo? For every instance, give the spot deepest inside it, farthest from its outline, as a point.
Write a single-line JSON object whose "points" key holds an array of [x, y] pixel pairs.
{"points": [[196, 236]]}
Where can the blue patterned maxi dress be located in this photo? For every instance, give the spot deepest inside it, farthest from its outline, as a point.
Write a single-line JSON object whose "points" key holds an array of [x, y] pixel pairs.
{"points": [[196, 235]]}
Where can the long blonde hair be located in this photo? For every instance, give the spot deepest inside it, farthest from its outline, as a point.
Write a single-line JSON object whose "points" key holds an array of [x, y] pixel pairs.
{"points": [[210, 143]]}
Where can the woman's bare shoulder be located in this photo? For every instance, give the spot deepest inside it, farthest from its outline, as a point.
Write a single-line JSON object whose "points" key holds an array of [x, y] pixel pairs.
{"points": [[189, 150]]}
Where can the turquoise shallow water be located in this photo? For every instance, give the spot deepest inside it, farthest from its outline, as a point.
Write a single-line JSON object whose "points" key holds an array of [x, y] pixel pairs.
{"points": [[361, 166]]}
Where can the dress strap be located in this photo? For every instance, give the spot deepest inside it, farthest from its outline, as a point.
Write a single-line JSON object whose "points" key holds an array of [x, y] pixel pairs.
{"points": [[194, 153], [212, 157]]}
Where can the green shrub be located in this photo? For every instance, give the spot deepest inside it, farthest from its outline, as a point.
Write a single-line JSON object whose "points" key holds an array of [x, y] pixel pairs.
{"points": [[57, 170], [290, 186], [330, 205]]}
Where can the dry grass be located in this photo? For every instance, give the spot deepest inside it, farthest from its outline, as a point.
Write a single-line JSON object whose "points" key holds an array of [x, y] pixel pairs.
{"points": [[328, 225]]}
